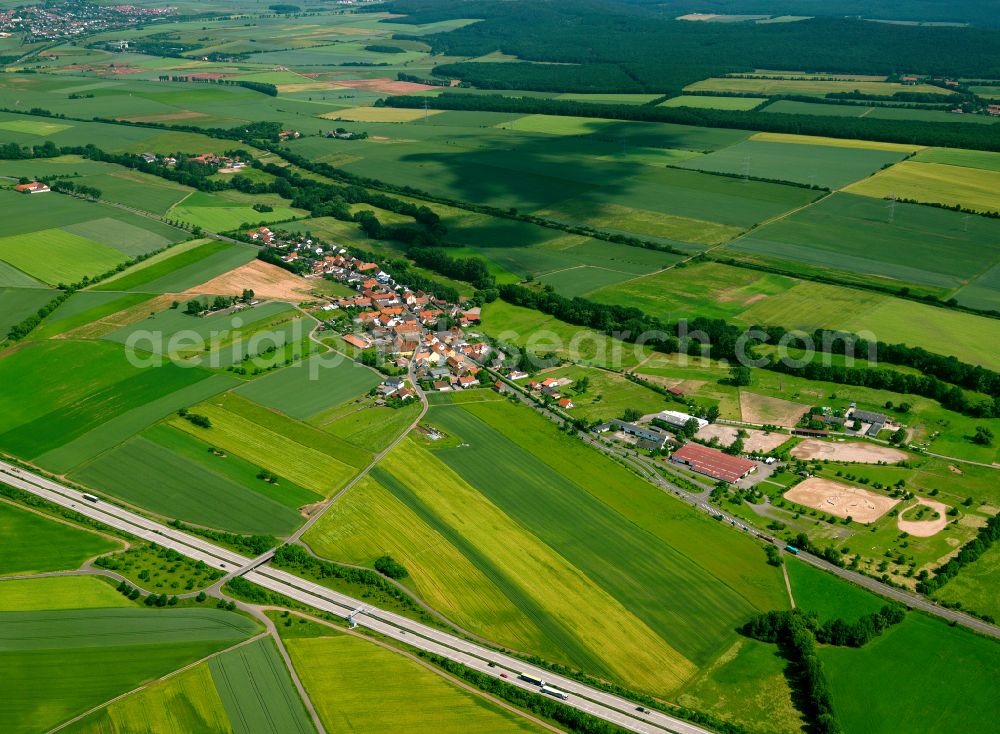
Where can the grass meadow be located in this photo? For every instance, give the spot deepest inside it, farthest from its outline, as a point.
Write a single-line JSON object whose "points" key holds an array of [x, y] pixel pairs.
{"points": [[974, 588], [34, 543], [53, 593], [889, 686]]}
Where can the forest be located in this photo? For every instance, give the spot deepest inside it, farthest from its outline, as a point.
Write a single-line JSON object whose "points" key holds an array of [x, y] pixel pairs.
{"points": [[659, 54]]}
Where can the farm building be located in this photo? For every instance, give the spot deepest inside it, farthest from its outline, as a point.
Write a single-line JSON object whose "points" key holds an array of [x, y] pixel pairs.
{"points": [[814, 432], [678, 419], [32, 188], [713, 463], [653, 436]]}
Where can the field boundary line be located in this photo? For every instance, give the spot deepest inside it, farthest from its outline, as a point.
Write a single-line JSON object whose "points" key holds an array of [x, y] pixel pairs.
{"points": [[168, 676]]}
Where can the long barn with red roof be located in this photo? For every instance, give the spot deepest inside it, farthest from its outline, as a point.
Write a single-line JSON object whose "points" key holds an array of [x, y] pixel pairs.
{"points": [[713, 463]]}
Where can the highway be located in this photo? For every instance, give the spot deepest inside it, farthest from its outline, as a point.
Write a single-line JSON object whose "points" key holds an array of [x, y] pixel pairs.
{"points": [[611, 708]]}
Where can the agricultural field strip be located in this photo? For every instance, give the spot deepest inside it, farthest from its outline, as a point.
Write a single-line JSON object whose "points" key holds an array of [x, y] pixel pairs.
{"points": [[603, 705], [168, 676]]}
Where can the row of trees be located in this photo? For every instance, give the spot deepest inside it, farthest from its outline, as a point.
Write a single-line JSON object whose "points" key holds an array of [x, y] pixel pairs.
{"points": [[797, 642]]}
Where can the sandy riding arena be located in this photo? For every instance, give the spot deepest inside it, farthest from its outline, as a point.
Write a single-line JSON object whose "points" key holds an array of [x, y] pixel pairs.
{"points": [[863, 453], [924, 528], [264, 279], [841, 500], [757, 442]]}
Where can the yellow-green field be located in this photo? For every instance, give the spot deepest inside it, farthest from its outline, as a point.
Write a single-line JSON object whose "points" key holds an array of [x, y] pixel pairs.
{"points": [[359, 687], [379, 114], [49, 593], [641, 221], [935, 183], [834, 142], [266, 448], [184, 703], [813, 87], [632, 650]]}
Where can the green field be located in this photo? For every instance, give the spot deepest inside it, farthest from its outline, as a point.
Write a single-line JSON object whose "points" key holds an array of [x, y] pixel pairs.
{"points": [[904, 243], [889, 686], [128, 423], [183, 703], [56, 256], [16, 304], [411, 698], [819, 592], [216, 341], [935, 183], [747, 685], [51, 593], [311, 386], [975, 587], [713, 103], [307, 456], [810, 87], [504, 562], [815, 165], [372, 428], [257, 691], [177, 270], [65, 405], [187, 481], [86, 307], [215, 213], [58, 664], [544, 334], [35, 544], [980, 159]]}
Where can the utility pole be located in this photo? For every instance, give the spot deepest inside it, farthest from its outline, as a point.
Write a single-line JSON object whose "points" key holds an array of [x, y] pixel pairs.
{"points": [[892, 208]]}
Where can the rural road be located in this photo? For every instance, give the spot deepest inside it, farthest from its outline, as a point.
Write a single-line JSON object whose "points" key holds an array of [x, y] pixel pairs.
{"points": [[614, 709]]}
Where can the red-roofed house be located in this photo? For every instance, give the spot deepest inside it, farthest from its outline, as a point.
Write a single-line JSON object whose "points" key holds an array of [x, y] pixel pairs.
{"points": [[566, 404], [32, 188], [713, 463], [355, 341]]}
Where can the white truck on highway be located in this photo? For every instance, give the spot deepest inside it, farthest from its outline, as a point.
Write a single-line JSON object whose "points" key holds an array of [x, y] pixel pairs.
{"points": [[554, 692]]}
